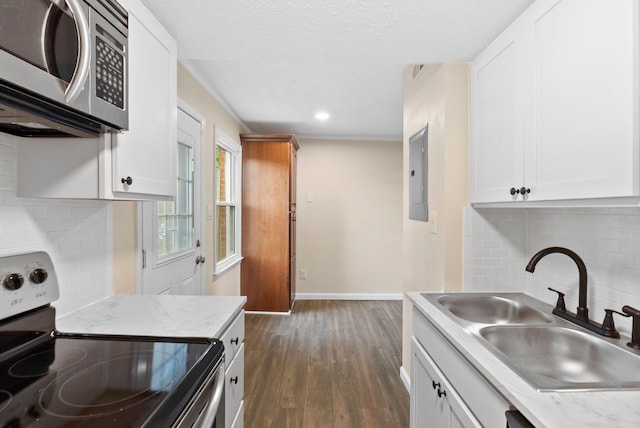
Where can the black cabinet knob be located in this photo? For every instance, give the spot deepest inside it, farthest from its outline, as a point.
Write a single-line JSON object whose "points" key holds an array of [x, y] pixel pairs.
{"points": [[128, 181], [234, 379], [513, 191], [442, 393], [524, 191], [435, 384], [234, 341]]}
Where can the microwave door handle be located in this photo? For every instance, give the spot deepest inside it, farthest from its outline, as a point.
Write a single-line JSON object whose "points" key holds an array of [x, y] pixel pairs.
{"points": [[60, 4], [84, 58], [214, 401]]}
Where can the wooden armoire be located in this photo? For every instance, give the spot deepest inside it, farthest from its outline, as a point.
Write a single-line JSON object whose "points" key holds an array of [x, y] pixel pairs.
{"points": [[269, 221]]}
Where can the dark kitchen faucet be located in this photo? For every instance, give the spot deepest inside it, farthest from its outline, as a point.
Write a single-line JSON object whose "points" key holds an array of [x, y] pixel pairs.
{"points": [[582, 312], [581, 317]]}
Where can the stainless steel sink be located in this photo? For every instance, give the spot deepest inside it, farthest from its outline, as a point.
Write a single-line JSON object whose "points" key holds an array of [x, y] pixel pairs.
{"points": [[491, 309], [547, 351], [558, 358]]}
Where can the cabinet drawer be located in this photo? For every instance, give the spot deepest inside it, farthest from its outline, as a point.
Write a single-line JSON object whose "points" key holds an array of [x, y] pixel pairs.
{"points": [[239, 420], [234, 387], [484, 401], [233, 338]]}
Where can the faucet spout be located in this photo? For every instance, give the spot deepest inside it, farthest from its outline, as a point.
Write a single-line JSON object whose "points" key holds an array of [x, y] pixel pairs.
{"points": [[582, 312]]}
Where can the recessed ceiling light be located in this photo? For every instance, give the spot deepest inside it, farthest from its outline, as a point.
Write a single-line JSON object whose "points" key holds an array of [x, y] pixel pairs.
{"points": [[322, 115]]}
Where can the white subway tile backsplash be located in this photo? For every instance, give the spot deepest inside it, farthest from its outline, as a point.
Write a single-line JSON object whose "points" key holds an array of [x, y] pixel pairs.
{"points": [[607, 239], [76, 233]]}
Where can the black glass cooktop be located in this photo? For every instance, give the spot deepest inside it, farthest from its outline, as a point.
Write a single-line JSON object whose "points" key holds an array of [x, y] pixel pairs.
{"points": [[75, 380]]}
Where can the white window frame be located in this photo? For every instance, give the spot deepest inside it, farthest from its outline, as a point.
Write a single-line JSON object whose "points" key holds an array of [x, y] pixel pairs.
{"points": [[227, 143]]}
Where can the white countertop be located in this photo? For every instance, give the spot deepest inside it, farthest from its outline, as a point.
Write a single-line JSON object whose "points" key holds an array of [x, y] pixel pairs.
{"points": [[155, 315], [565, 409]]}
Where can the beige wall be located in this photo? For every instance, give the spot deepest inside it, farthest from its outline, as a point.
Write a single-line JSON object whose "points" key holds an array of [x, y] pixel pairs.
{"points": [[349, 236], [125, 247], [433, 251], [198, 98]]}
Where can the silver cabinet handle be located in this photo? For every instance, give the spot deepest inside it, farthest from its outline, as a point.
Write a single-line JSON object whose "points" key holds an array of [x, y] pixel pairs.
{"points": [[84, 58]]}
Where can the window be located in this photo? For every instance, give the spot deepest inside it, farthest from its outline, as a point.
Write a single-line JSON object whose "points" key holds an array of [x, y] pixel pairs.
{"points": [[227, 213], [175, 218]]}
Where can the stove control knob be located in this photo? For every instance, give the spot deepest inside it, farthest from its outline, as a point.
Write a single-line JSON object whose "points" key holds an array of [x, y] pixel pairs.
{"points": [[38, 276], [13, 281]]}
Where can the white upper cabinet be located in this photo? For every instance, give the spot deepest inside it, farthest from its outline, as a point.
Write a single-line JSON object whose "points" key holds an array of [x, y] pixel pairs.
{"points": [[143, 156], [572, 132], [146, 152], [497, 120]]}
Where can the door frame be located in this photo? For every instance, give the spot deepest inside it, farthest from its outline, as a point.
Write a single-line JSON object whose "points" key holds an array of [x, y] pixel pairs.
{"points": [[186, 108]]}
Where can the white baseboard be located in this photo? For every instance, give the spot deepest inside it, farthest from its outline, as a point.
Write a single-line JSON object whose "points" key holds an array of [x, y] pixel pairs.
{"points": [[267, 313], [405, 379], [348, 296]]}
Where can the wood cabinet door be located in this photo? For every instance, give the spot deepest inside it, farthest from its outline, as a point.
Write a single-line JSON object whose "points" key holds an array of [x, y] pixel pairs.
{"points": [[265, 226], [293, 172], [582, 124], [496, 158]]}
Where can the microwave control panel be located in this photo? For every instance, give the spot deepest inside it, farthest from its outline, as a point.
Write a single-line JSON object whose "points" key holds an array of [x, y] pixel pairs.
{"points": [[109, 74]]}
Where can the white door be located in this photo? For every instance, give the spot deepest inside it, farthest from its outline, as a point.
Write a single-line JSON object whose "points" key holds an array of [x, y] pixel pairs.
{"points": [[172, 244]]}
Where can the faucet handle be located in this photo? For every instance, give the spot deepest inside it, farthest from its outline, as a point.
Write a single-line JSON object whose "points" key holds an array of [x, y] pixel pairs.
{"points": [[635, 330], [560, 306], [608, 326]]}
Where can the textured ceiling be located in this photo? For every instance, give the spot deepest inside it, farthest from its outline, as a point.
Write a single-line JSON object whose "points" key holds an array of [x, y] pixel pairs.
{"points": [[275, 63]]}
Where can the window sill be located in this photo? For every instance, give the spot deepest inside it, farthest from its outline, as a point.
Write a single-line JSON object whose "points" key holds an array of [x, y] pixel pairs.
{"points": [[219, 271]]}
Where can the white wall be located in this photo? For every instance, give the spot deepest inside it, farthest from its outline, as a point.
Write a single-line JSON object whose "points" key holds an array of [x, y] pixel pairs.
{"points": [[76, 234], [500, 242], [349, 235]]}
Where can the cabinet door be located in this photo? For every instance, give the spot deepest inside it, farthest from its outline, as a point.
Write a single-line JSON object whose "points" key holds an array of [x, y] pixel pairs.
{"points": [[427, 409], [496, 120], [582, 138], [434, 402], [146, 152], [293, 173]]}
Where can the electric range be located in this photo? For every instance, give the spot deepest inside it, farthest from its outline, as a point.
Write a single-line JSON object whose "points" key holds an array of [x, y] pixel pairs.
{"points": [[54, 379]]}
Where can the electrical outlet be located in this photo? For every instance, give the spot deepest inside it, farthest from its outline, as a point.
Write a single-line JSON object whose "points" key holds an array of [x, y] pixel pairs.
{"points": [[303, 274]]}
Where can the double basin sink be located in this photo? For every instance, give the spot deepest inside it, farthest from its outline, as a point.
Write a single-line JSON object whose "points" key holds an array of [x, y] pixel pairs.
{"points": [[548, 352]]}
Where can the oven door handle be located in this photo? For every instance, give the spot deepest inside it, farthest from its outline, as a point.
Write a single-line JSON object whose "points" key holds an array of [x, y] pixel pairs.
{"points": [[84, 57], [216, 397]]}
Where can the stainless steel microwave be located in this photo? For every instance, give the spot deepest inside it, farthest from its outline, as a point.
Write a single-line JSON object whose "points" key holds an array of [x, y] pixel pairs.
{"points": [[63, 67]]}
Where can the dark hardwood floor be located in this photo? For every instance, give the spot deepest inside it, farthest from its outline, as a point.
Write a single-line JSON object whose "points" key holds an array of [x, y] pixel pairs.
{"points": [[328, 364]]}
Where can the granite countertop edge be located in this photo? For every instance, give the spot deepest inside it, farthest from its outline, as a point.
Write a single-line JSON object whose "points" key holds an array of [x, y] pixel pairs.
{"points": [[155, 315]]}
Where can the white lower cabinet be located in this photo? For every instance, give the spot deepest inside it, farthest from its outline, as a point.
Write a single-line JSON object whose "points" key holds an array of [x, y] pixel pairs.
{"points": [[233, 339], [446, 390], [434, 402], [234, 390], [238, 422]]}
